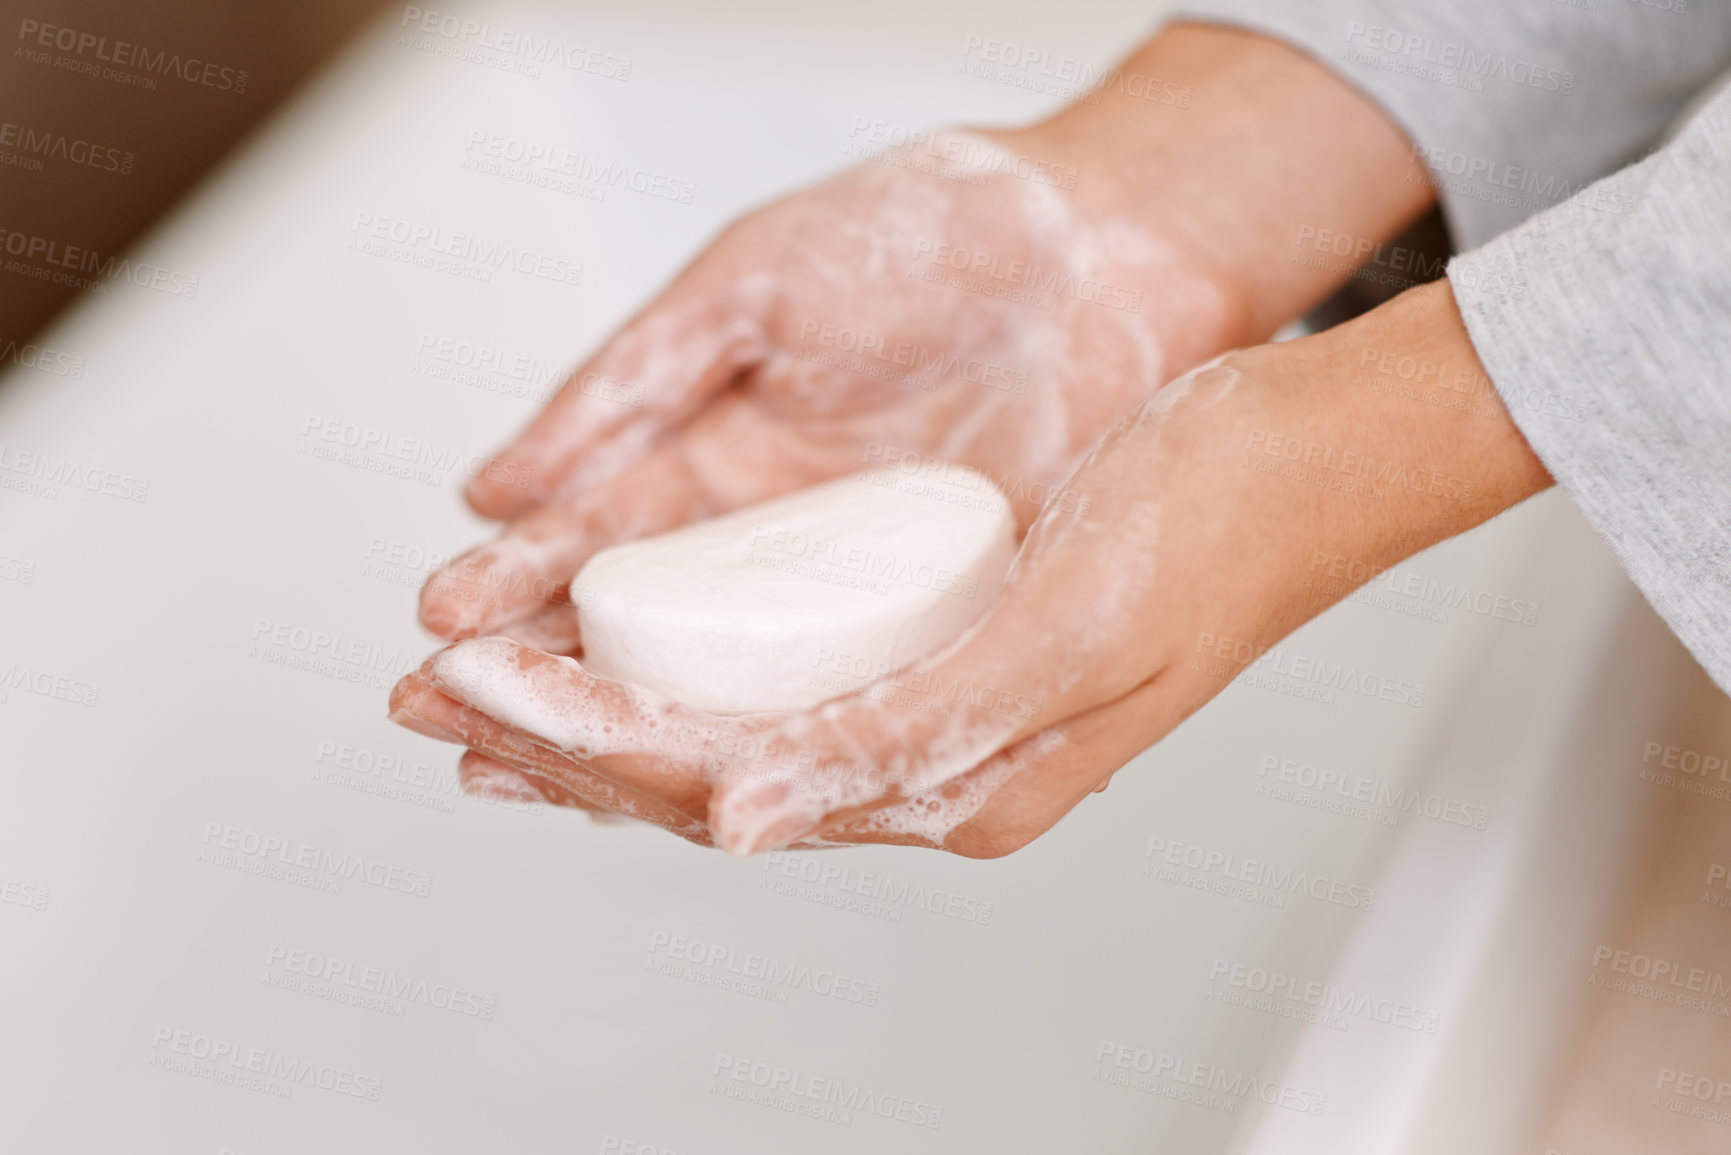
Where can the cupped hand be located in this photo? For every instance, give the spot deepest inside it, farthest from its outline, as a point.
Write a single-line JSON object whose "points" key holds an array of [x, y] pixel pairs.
{"points": [[990, 299], [1123, 614]]}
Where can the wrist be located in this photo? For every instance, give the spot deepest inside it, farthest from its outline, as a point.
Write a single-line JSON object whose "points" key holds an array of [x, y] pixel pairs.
{"points": [[1239, 149], [1317, 476], [1408, 376]]}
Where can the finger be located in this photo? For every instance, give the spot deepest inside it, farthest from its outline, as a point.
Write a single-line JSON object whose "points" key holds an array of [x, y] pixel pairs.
{"points": [[734, 454], [854, 755], [925, 819], [621, 733], [666, 755], [552, 629], [1021, 792], [531, 563], [494, 781], [699, 334], [418, 704]]}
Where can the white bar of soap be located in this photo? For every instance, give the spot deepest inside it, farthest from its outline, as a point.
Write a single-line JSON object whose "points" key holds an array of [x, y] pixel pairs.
{"points": [[783, 605]]}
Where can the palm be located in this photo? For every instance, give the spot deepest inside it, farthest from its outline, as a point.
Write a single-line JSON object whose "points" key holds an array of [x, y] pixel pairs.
{"points": [[830, 332], [874, 343], [824, 334]]}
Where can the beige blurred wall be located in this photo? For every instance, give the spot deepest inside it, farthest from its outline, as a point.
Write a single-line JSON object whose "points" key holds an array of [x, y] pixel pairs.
{"points": [[88, 161]]}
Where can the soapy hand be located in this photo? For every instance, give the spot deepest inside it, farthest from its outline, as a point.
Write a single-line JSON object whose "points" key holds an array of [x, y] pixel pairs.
{"points": [[953, 300], [1123, 614], [998, 300], [993, 299]]}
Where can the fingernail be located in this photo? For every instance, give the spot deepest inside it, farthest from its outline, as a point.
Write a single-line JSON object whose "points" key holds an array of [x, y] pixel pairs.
{"points": [[488, 497], [474, 490], [448, 615], [453, 624]]}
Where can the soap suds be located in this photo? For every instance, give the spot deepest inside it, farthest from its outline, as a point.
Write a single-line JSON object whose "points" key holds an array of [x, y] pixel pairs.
{"points": [[553, 700], [934, 816]]}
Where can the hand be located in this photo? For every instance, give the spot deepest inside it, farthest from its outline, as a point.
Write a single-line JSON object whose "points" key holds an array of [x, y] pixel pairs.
{"points": [[740, 396], [1205, 510], [997, 299], [832, 331]]}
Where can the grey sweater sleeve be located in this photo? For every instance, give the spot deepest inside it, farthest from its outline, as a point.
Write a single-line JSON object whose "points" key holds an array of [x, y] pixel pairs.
{"points": [[1513, 105], [1605, 324], [1605, 321]]}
